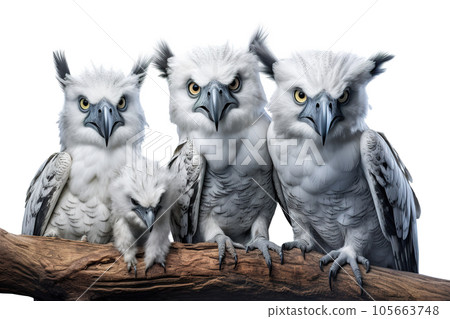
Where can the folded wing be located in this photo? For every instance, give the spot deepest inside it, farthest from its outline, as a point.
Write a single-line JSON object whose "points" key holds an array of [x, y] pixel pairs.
{"points": [[44, 192], [189, 167], [396, 204]]}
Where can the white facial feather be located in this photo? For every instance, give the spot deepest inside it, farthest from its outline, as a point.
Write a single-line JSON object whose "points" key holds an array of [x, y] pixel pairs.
{"points": [[96, 85], [315, 72], [204, 65], [143, 182]]}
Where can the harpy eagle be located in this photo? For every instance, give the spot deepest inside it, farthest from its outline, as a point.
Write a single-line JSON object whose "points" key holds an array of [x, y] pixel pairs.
{"points": [[142, 195], [351, 198], [217, 102], [68, 197]]}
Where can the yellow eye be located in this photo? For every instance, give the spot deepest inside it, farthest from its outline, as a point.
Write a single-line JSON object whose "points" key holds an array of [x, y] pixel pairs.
{"points": [[194, 89], [235, 85], [300, 96], [122, 103], [344, 97], [84, 104]]}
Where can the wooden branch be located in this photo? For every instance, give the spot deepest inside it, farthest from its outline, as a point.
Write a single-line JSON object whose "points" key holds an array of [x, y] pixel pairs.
{"points": [[58, 269]]}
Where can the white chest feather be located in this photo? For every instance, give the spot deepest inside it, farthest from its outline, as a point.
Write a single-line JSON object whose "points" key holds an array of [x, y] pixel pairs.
{"points": [[84, 207]]}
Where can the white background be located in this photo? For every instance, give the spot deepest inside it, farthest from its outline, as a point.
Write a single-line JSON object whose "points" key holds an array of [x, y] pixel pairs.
{"points": [[410, 101]]}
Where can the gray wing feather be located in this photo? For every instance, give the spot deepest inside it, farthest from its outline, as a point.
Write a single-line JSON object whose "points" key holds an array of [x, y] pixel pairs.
{"points": [[189, 166], [44, 192], [280, 196], [395, 202]]}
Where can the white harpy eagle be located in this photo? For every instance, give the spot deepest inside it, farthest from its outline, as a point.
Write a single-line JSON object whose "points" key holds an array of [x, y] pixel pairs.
{"points": [[142, 195], [352, 198], [217, 102], [68, 197]]}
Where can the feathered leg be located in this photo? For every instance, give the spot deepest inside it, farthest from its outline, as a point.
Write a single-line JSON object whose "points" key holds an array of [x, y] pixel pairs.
{"points": [[125, 242]]}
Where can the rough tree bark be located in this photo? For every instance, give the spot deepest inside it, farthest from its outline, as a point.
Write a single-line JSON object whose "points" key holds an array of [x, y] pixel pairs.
{"points": [[58, 269]]}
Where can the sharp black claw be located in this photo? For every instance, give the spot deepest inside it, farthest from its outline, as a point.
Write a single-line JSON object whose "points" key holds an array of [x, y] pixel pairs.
{"points": [[164, 266], [304, 252], [321, 265], [235, 261], [269, 264], [135, 271], [329, 281], [282, 257], [359, 280], [220, 262], [367, 266], [247, 249]]}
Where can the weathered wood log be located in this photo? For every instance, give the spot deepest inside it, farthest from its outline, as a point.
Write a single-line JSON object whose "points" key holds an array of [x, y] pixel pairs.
{"points": [[58, 269]]}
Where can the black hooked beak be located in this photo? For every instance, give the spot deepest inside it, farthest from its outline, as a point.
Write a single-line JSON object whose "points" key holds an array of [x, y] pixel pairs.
{"points": [[148, 215], [104, 118], [321, 113], [215, 101]]}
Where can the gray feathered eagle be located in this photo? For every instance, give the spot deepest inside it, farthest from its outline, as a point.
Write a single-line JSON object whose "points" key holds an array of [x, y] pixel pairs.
{"points": [[68, 197], [351, 197], [217, 102]]}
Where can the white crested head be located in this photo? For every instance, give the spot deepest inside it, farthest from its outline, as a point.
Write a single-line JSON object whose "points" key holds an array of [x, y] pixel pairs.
{"points": [[95, 91], [337, 79], [141, 184], [232, 72]]}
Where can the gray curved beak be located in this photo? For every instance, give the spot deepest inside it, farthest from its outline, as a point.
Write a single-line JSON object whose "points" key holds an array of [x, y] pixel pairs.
{"points": [[104, 118], [215, 102], [321, 113], [147, 215]]}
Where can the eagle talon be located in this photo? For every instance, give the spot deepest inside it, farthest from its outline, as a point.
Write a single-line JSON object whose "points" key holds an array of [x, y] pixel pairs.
{"points": [[269, 265], [220, 262], [304, 246], [264, 245], [129, 265], [224, 243], [331, 275], [360, 283], [341, 257]]}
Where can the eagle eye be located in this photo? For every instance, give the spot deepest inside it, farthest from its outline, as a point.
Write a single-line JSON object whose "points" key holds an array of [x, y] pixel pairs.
{"points": [[84, 104], [122, 105], [193, 89], [134, 202], [344, 97], [235, 85], [300, 96]]}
